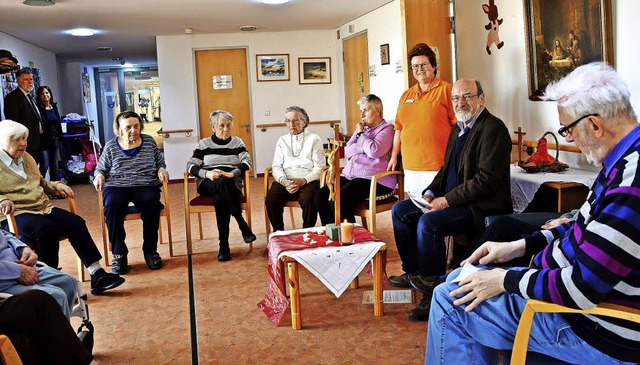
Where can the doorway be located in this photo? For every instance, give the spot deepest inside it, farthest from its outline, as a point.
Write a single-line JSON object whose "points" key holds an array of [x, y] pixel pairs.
{"points": [[223, 83], [356, 76], [136, 89]]}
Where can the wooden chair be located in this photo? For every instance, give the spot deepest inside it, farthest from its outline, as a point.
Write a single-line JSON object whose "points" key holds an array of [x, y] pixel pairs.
{"points": [[204, 204], [134, 213], [378, 204], [73, 208], [8, 352], [532, 307], [290, 204]]}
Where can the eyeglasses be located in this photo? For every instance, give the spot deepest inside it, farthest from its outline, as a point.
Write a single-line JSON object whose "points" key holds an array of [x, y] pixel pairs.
{"points": [[466, 97], [564, 131], [420, 66], [291, 121]]}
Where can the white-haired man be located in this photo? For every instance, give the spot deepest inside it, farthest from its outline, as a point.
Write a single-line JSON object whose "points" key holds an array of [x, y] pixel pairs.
{"points": [[579, 264]]}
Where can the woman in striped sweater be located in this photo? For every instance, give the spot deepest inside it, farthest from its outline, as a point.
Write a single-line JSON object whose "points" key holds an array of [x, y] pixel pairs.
{"points": [[131, 170], [219, 162]]}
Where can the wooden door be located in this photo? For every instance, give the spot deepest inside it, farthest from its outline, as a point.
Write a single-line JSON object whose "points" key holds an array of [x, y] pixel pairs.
{"points": [[356, 76], [429, 22], [235, 100]]}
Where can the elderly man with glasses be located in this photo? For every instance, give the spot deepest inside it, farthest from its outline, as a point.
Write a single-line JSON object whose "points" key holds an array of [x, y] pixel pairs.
{"points": [[473, 183]]}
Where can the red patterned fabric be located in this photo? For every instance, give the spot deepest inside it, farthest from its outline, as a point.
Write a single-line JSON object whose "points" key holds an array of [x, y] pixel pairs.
{"points": [[275, 302]]}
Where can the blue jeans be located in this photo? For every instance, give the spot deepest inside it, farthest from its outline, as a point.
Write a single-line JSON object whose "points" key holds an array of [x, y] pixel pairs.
{"points": [[50, 159], [458, 337], [420, 236], [61, 286]]}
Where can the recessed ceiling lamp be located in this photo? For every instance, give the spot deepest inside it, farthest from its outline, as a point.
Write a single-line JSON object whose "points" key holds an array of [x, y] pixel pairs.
{"points": [[39, 2], [248, 28], [274, 2], [82, 32]]}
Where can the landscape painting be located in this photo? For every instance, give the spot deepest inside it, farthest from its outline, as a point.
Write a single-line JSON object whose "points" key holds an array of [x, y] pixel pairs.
{"points": [[272, 67], [315, 70]]}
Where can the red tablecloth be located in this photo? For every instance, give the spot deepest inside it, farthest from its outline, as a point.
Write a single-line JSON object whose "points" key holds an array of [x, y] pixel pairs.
{"points": [[275, 301]]}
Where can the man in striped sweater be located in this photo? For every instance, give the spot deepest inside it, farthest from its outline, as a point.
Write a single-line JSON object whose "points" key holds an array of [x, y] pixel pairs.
{"points": [[580, 264]]}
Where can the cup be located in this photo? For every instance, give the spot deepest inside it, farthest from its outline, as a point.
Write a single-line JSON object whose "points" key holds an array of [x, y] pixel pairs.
{"points": [[346, 233]]}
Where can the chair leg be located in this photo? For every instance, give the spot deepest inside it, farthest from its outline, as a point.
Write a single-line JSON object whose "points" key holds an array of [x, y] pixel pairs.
{"points": [[81, 274], [200, 224], [267, 223], [160, 230], [168, 217], [364, 222], [293, 219]]}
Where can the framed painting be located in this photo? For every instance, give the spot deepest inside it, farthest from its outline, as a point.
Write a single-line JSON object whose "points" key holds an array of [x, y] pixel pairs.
{"points": [[272, 67], [316, 70], [562, 35], [384, 54]]}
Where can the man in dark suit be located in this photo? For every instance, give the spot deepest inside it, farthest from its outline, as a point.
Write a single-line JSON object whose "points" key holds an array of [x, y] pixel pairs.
{"points": [[473, 183], [20, 106]]}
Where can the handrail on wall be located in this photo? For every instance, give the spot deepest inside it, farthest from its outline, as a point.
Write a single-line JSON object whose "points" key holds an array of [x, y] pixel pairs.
{"points": [[264, 127], [167, 133]]}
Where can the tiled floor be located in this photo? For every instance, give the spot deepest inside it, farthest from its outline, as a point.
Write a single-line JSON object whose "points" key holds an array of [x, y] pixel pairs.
{"points": [[146, 320]]}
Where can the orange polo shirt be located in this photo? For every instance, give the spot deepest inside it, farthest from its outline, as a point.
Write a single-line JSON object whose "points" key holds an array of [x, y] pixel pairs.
{"points": [[425, 119]]}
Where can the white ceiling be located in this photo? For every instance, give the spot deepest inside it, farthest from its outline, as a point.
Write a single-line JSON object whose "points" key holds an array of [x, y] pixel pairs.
{"points": [[130, 26]]}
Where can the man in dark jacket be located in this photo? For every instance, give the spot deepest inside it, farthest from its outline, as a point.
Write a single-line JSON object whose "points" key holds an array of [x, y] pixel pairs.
{"points": [[20, 106], [473, 183]]}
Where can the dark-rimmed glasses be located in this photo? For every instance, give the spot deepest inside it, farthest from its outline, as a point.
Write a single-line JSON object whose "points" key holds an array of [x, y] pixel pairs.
{"points": [[564, 131], [418, 66], [466, 97]]}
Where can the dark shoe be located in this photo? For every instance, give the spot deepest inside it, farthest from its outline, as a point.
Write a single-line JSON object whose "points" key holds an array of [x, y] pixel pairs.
{"points": [[248, 237], [224, 256], [102, 281], [401, 281], [424, 284], [153, 260], [120, 264], [421, 312]]}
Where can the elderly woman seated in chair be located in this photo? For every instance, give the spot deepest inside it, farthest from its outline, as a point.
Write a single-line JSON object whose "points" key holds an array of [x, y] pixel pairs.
{"points": [[367, 152], [219, 162], [23, 192], [131, 170], [296, 166]]}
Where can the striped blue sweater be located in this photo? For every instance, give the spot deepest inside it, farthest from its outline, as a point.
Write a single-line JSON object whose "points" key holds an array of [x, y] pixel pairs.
{"points": [[596, 258], [128, 171]]}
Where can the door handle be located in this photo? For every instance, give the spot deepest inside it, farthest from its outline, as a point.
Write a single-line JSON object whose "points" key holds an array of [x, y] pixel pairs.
{"points": [[246, 126]]}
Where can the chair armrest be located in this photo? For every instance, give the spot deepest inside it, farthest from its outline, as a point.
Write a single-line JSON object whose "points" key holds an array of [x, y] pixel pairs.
{"points": [[267, 173], [374, 183], [521, 342]]}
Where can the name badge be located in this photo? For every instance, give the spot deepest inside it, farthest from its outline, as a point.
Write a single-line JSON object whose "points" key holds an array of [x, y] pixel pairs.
{"points": [[409, 101]]}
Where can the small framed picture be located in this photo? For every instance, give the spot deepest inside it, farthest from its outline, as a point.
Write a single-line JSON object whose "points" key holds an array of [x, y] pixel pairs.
{"points": [[272, 67], [314, 70], [384, 54]]}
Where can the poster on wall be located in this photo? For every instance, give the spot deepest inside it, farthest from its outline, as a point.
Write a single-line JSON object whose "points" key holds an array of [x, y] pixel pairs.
{"points": [[222, 82], [86, 88]]}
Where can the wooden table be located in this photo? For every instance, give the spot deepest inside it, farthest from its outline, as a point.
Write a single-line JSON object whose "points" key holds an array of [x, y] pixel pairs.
{"points": [[570, 195], [293, 281]]}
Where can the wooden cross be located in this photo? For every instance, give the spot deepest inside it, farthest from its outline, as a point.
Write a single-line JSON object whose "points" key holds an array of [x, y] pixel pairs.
{"points": [[520, 133]]}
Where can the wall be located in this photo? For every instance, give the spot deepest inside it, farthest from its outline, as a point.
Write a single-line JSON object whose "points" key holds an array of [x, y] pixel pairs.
{"points": [[41, 58], [504, 72], [383, 25], [178, 89]]}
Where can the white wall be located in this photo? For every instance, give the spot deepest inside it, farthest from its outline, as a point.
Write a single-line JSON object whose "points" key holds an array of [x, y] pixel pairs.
{"points": [[383, 25], [176, 67], [504, 73], [41, 58]]}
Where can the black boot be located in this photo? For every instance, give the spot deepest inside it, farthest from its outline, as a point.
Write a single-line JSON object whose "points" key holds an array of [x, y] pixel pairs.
{"points": [[224, 254], [247, 234]]}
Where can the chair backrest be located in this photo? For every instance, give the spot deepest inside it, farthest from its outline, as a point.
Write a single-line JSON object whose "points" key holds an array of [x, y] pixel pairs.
{"points": [[13, 225], [521, 343], [8, 352]]}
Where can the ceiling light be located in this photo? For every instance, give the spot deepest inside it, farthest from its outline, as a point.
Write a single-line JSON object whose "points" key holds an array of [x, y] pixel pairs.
{"points": [[127, 65], [82, 32], [274, 2], [39, 2]]}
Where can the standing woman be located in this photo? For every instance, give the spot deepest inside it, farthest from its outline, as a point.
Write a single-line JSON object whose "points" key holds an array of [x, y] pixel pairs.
{"points": [[52, 138], [131, 170], [219, 163], [423, 122], [367, 153], [297, 162]]}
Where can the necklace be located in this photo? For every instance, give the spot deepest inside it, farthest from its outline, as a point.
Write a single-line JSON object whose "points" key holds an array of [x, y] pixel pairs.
{"points": [[293, 152]]}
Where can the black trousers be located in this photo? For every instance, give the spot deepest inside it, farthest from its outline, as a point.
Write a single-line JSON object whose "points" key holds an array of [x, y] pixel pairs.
{"points": [[351, 192], [39, 331], [226, 200], [278, 196]]}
